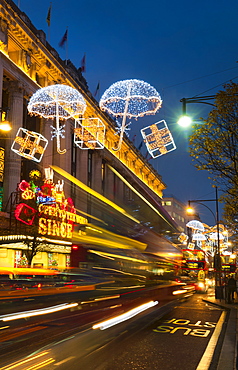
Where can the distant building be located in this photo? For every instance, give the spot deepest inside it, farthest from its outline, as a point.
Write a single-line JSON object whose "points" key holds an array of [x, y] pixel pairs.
{"points": [[177, 210]]}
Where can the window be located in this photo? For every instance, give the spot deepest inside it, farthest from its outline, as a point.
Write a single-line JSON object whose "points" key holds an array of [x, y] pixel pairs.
{"points": [[166, 203]]}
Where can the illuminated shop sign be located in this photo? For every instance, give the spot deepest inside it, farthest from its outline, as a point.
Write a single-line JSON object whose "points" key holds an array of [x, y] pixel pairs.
{"points": [[56, 214], [57, 222]]}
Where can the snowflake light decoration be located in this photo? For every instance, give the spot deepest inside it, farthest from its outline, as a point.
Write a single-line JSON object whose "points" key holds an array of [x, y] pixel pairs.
{"points": [[59, 102], [130, 98], [29, 144], [89, 133], [158, 139]]}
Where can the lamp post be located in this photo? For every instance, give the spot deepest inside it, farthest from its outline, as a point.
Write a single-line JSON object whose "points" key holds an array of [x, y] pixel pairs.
{"points": [[217, 258], [185, 120]]}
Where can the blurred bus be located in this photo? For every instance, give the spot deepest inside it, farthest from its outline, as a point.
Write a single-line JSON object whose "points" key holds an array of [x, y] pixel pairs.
{"points": [[195, 266]]}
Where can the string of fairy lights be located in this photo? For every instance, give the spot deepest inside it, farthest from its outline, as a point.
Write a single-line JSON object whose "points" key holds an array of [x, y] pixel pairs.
{"points": [[126, 99]]}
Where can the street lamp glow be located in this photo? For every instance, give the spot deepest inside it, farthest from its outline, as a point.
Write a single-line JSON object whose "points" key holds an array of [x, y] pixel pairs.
{"points": [[5, 126], [184, 121], [190, 210]]}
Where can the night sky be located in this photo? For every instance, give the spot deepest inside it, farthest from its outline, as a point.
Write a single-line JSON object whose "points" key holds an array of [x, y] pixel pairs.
{"points": [[182, 48]]}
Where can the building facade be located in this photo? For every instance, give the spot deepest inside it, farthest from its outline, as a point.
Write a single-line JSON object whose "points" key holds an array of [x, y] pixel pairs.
{"points": [[121, 178], [177, 210]]}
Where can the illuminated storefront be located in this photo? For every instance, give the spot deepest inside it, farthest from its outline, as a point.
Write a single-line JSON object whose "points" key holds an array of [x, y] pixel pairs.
{"points": [[49, 217]]}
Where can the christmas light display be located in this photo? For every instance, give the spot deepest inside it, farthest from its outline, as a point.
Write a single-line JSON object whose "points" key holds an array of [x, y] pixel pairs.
{"points": [[59, 102], [2, 154], [214, 236], [183, 238], [196, 225], [56, 213], [158, 139], [132, 99], [28, 194], [25, 213], [89, 133], [199, 237], [35, 174], [29, 144]]}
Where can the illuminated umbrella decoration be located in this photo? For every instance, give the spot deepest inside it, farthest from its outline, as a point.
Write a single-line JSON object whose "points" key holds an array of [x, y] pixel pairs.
{"points": [[214, 236], [130, 99], [59, 102], [199, 237], [196, 225]]}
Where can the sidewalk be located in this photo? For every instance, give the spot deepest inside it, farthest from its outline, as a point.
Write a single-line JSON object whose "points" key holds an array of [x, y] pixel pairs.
{"points": [[228, 356]]}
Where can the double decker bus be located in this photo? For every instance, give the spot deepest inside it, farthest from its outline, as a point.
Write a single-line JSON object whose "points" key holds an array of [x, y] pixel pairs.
{"points": [[195, 266], [228, 263]]}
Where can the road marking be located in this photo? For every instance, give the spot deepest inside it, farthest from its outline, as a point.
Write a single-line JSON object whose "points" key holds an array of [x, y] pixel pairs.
{"points": [[208, 354]]}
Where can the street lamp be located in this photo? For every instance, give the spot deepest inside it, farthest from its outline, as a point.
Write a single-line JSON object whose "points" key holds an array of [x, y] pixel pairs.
{"points": [[217, 258], [185, 120], [4, 124]]}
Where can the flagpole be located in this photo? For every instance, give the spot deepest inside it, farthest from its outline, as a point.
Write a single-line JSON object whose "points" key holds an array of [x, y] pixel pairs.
{"points": [[97, 90], [67, 50], [62, 43], [48, 20], [83, 64], [49, 34]]}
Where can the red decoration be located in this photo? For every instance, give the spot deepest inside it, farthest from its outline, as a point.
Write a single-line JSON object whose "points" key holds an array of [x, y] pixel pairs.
{"points": [[47, 189], [24, 185], [25, 214]]}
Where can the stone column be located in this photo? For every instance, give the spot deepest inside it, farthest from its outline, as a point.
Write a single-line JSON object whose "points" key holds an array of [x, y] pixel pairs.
{"points": [[82, 175], [12, 171], [109, 184], [47, 158], [120, 190], [97, 172]]}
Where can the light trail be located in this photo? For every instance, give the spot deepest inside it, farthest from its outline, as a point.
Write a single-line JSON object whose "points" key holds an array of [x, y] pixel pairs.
{"points": [[92, 192], [125, 316], [137, 193], [19, 363], [41, 311]]}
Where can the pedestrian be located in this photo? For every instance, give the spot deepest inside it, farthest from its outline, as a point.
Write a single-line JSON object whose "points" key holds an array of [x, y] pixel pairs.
{"points": [[231, 286]]}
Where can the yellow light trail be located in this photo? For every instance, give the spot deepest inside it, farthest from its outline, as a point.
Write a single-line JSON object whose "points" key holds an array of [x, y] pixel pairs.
{"points": [[92, 192], [118, 256], [105, 237], [41, 364], [88, 215], [137, 193], [19, 363]]}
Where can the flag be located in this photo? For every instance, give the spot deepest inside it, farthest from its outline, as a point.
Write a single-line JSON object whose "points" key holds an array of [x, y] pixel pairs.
{"points": [[133, 139], [64, 39], [97, 89], [49, 15], [140, 146], [83, 64]]}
